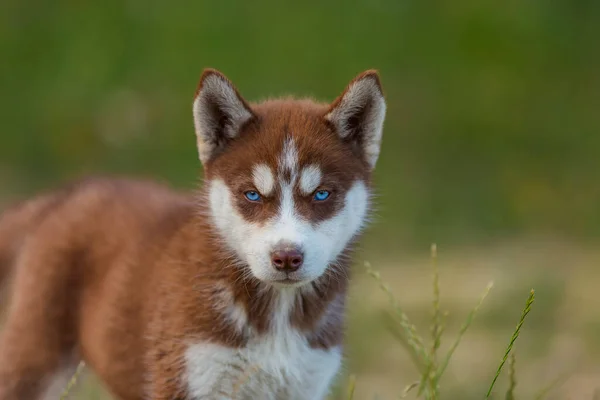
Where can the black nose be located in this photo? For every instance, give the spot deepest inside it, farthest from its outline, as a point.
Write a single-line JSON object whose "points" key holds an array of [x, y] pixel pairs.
{"points": [[287, 258]]}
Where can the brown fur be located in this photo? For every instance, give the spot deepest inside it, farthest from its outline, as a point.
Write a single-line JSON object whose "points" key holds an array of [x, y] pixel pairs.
{"points": [[122, 273]]}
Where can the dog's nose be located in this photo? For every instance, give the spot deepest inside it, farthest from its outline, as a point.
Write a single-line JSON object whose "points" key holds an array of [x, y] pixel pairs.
{"points": [[287, 258]]}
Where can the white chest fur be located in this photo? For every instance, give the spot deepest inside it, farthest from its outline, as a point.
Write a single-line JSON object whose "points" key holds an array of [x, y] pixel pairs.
{"points": [[279, 365]]}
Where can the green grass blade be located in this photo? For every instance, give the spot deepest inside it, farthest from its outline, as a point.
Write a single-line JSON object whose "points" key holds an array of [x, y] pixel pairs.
{"points": [[514, 337], [413, 339], [351, 386], [391, 324], [408, 389], [462, 331], [436, 323], [72, 381], [428, 378]]}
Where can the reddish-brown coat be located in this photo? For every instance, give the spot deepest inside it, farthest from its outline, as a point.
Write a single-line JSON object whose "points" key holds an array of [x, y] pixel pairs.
{"points": [[124, 273]]}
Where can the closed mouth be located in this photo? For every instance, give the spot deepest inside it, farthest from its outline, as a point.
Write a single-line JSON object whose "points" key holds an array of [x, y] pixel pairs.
{"points": [[287, 280]]}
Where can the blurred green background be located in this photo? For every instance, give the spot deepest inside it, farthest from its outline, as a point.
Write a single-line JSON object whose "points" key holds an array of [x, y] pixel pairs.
{"points": [[491, 146]]}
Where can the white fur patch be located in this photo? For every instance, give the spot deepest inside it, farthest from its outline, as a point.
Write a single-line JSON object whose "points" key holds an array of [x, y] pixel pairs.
{"points": [[310, 179], [278, 365], [264, 181], [233, 312]]}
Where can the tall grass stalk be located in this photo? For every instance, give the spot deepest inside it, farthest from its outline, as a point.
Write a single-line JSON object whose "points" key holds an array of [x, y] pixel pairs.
{"points": [[72, 381], [428, 378], [351, 386], [414, 341], [462, 331], [514, 337], [409, 388], [426, 361], [431, 369]]}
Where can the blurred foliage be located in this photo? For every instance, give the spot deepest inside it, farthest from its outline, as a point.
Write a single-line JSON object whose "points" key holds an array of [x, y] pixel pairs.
{"points": [[492, 129]]}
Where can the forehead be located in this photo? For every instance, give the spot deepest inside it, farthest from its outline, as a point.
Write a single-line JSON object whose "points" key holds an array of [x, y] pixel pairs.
{"points": [[289, 136]]}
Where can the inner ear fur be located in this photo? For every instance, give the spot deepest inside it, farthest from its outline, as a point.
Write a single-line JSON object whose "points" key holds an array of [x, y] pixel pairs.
{"points": [[219, 113], [358, 115]]}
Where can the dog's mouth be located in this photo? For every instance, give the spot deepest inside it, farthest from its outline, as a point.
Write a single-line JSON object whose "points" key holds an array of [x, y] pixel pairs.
{"points": [[288, 281], [270, 276]]}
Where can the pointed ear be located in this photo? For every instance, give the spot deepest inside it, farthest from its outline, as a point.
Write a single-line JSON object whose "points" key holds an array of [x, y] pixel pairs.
{"points": [[219, 113], [358, 114]]}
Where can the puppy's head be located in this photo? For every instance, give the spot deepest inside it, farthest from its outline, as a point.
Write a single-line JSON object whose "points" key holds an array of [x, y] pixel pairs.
{"points": [[288, 180]]}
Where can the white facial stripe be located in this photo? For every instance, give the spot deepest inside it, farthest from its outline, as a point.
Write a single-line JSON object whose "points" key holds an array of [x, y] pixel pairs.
{"points": [[287, 221], [289, 156], [310, 179], [287, 210], [264, 181]]}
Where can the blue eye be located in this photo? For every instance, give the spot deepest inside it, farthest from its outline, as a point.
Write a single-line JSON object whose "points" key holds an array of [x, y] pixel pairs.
{"points": [[321, 195], [252, 195]]}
